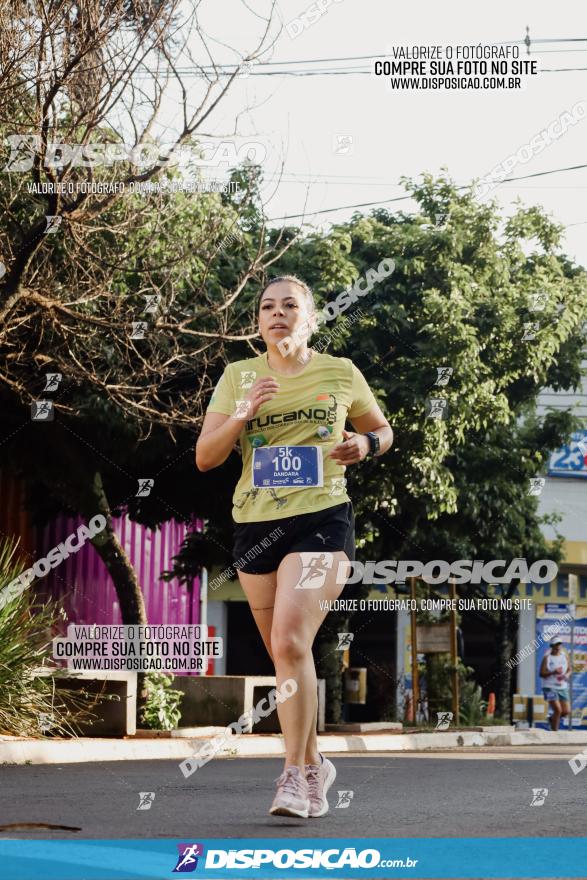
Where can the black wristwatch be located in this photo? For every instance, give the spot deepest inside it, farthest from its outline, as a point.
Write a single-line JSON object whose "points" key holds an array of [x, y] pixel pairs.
{"points": [[374, 444]]}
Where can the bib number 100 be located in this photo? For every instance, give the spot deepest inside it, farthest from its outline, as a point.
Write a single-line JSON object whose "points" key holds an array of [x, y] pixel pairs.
{"points": [[283, 461]]}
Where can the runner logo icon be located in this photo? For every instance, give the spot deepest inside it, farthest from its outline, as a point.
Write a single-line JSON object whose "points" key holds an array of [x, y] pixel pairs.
{"points": [[247, 379], [444, 719], [187, 861], [314, 569], [539, 795], [344, 800]]}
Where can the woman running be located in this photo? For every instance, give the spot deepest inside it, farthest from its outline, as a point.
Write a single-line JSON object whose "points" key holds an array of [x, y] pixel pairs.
{"points": [[294, 523], [555, 669]]}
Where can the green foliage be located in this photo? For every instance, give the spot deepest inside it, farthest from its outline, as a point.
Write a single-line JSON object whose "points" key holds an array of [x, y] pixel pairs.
{"points": [[161, 709], [460, 296], [29, 705], [472, 706], [438, 671]]}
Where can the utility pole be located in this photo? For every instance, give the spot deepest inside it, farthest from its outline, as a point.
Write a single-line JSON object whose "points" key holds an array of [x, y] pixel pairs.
{"points": [[572, 606], [454, 654], [527, 39], [415, 681]]}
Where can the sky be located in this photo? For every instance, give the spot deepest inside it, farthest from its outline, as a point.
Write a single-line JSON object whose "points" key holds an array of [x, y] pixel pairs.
{"points": [[389, 134]]}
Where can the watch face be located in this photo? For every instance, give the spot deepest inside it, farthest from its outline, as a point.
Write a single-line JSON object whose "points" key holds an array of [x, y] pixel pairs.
{"points": [[373, 442]]}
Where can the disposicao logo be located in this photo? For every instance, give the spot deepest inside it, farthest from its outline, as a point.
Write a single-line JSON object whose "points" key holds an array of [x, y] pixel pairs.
{"points": [[187, 860]]}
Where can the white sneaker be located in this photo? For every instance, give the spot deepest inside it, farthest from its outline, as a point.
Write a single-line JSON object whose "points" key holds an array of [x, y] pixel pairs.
{"points": [[319, 778], [292, 795]]}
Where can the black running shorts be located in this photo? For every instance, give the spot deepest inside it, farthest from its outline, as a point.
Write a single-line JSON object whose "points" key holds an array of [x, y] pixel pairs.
{"points": [[259, 547]]}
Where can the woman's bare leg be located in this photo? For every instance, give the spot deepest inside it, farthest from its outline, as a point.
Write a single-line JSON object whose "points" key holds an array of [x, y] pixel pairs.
{"points": [[312, 755], [556, 714], [297, 617], [260, 590]]}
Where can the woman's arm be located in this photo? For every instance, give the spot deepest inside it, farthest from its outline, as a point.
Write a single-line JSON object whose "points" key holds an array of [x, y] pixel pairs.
{"points": [[220, 432], [374, 421], [216, 441], [355, 447], [543, 670]]}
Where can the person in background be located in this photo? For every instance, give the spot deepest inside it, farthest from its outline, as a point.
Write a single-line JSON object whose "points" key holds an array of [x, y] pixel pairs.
{"points": [[555, 671]]}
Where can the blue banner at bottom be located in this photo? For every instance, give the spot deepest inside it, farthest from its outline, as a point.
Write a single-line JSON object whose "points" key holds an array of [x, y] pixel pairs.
{"points": [[223, 858]]}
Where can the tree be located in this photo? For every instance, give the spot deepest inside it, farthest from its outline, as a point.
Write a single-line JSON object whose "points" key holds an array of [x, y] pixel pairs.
{"points": [[463, 296], [123, 295]]}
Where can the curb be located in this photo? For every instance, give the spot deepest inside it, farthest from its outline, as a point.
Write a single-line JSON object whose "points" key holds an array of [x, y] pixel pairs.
{"points": [[21, 750]]}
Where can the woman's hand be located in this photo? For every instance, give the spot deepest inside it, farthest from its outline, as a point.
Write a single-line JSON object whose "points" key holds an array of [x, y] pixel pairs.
{"points": [[221, 432], [261, 391], [354, 448]]}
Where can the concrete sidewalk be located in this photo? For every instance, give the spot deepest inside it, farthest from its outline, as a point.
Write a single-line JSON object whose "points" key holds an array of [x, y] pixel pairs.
{"points": [[23, 750]]}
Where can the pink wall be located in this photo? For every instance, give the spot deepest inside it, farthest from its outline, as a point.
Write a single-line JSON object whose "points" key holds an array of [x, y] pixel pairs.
{"points": [[85, 589]]}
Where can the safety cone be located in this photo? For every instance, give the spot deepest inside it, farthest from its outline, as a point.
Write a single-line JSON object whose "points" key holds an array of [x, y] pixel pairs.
{"points": [[491, 705]]}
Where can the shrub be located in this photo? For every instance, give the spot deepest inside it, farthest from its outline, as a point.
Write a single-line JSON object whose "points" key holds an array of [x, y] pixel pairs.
{"points": [[29, 705], [161, 709]]}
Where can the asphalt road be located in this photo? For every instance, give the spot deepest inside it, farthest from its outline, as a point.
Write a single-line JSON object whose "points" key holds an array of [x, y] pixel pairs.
{"points": [[472, 793]]}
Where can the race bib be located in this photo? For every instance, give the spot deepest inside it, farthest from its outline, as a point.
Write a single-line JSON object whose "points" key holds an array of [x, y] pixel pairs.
{"points": [[287, 466]]}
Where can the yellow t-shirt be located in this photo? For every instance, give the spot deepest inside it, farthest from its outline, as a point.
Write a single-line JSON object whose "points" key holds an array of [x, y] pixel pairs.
{"points": [[309, 409]]}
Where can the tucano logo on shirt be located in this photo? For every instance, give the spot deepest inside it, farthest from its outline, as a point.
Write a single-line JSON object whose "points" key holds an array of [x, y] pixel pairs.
{"points": [[311, 414]]}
